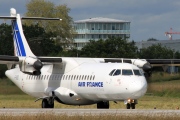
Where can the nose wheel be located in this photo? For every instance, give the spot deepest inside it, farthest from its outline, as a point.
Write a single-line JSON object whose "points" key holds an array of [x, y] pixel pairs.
{"points": [[130, 106]]}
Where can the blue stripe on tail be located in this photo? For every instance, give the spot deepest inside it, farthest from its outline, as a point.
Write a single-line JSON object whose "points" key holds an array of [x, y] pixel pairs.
{"points": [[18, 40]]}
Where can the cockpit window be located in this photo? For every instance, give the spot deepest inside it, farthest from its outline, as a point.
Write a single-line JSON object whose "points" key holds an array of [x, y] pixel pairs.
{"points": [[137, 72], [127, 72], [112, 72], [117, 72]]}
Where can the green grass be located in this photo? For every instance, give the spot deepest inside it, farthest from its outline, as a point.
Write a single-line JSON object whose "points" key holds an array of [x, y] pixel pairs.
{"points": [[9, 88], [146, 102], [165, 89], [163, 76]]}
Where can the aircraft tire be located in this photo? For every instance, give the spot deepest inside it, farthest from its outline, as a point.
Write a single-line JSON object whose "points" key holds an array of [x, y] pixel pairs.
{"points": [[45, 103], [128, 106], [133, 105], [103, 105], [51, 105]]}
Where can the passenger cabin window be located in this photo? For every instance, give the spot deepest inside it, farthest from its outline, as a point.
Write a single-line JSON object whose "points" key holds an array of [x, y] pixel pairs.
{"points": [[90, 77], [112, 72], [93, 77], [127, 72], [117, 72], [137, 72]]}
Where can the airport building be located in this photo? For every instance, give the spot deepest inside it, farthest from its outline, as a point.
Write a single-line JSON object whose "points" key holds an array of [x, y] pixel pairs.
{"points": [[99, 28], [171, 44]]}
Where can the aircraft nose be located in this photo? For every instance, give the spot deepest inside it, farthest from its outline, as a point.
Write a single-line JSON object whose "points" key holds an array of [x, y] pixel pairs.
{"points": [[138, 88]]}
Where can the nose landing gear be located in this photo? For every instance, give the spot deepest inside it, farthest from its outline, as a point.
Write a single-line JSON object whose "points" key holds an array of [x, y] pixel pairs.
{"points": [[130, 104]]}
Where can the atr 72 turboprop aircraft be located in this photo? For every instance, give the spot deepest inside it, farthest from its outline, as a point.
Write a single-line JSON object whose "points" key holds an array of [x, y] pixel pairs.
{"points": [[73, 81]]}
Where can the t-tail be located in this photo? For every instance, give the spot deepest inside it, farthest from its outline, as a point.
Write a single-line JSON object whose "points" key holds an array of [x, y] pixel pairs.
{"points": [[28, 62], [21, 47]]}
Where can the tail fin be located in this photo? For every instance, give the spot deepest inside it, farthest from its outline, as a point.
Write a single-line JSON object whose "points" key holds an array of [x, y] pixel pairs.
{"points": [[21, 47]]}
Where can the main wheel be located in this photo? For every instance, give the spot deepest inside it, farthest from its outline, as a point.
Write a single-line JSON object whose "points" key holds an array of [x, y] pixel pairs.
{"points": [[51, 105], [45, 103], [103, 105], [106, 105]]}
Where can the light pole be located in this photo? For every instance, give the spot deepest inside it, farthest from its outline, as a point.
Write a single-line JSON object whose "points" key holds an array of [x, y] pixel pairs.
{"points": [[172, 62]]}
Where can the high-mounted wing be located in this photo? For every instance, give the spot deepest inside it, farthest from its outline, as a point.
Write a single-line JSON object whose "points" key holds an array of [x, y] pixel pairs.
{"points": [[162, 62]]}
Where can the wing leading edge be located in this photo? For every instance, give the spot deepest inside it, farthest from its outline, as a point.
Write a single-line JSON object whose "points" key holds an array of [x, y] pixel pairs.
{"points": [[4, 59], [162, 62]]}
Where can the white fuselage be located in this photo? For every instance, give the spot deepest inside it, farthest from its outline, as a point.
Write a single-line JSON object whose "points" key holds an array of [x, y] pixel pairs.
{"points": [[86, 79]]}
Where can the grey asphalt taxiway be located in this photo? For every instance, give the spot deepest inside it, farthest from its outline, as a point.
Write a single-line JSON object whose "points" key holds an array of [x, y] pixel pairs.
{"points": [[81, 112]]}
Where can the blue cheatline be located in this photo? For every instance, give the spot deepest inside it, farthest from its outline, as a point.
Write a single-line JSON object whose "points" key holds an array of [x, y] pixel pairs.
{"points": [[18, 39]]}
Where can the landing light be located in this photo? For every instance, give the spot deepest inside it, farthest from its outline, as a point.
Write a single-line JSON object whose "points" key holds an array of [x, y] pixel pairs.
{"points": [[130, 101]]}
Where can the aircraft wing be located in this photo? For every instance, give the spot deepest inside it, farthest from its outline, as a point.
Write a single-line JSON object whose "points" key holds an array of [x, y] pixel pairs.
{"points": [[5, 59], [162, 62]]}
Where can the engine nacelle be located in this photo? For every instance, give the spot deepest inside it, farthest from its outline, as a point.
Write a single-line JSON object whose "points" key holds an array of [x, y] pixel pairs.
{"points": [[31, 65], [139, 62], [144, 65]]}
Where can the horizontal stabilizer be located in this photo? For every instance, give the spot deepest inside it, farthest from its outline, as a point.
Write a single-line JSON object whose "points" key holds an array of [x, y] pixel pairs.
{"points": [[7, 17], [39, 18], [8, 59], [28, 18]]}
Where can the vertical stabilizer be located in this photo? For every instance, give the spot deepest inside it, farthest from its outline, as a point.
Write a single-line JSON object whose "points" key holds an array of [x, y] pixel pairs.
{"points": [[21, 47]]}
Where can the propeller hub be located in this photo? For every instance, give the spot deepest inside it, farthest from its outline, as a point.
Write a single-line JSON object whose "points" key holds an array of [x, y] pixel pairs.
{"points": [[147, 67], [37, 65]]}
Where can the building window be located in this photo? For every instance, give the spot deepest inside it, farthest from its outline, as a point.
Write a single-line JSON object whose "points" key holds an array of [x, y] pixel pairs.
{"points": [[104, 27], [113, 26]]}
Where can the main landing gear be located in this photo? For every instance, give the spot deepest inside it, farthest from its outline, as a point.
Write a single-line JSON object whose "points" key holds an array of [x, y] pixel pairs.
{"points": [[103, 105], [48, 103]]}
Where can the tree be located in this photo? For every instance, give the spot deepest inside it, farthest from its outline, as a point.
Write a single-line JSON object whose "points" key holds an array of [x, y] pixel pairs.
{"points": [[41, 42], [157, 52], [152, 39], [6, 46], [42, 8], [6, 40], [110, 48]]}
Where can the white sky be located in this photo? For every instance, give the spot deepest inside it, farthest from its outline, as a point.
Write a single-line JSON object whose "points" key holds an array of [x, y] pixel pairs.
{"points": [[149, 18]]}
